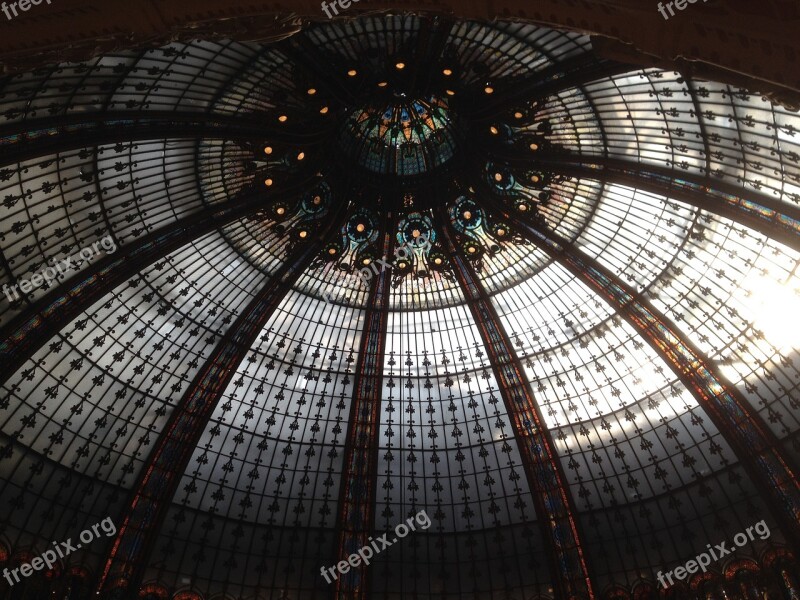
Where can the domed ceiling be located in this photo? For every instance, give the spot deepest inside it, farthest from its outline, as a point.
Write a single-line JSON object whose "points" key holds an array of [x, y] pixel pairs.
{"points": [[389, 265]]}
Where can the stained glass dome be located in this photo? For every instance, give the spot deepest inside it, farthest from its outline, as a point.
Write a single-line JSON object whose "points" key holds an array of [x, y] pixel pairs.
{"points": [[264, 303], [406, 137]]}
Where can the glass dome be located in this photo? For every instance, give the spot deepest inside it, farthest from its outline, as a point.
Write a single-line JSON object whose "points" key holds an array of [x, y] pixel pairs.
{"points": [[405, 137], [265, 303]]}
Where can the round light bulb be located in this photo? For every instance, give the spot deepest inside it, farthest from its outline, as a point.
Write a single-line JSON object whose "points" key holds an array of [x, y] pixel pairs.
{"points": [[268, 182], [360, 228]]}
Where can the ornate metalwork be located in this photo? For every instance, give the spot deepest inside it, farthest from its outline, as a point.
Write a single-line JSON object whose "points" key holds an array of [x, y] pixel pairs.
{"points": [[357, 497], [30, 329], [125, 565], [767, 464], [556, 515]]}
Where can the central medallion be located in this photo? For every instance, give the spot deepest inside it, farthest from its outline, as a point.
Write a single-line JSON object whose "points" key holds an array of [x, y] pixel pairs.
{"points": [[405, 137]]}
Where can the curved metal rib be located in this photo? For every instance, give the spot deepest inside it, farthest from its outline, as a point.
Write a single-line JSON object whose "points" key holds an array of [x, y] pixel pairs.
{"points": [[554, 505], [139, 526], [753, 442]]}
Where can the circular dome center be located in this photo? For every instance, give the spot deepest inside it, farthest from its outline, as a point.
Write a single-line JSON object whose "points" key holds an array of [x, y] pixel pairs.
{"points": [[404, 136]]}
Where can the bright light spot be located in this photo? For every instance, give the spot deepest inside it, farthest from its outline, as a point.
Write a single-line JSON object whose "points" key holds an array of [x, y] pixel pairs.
{"points": [[774, 308]]}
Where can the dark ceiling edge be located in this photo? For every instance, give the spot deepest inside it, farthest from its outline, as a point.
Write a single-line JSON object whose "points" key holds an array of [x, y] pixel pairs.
{"points": [[619, 51], [741, 42]]}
